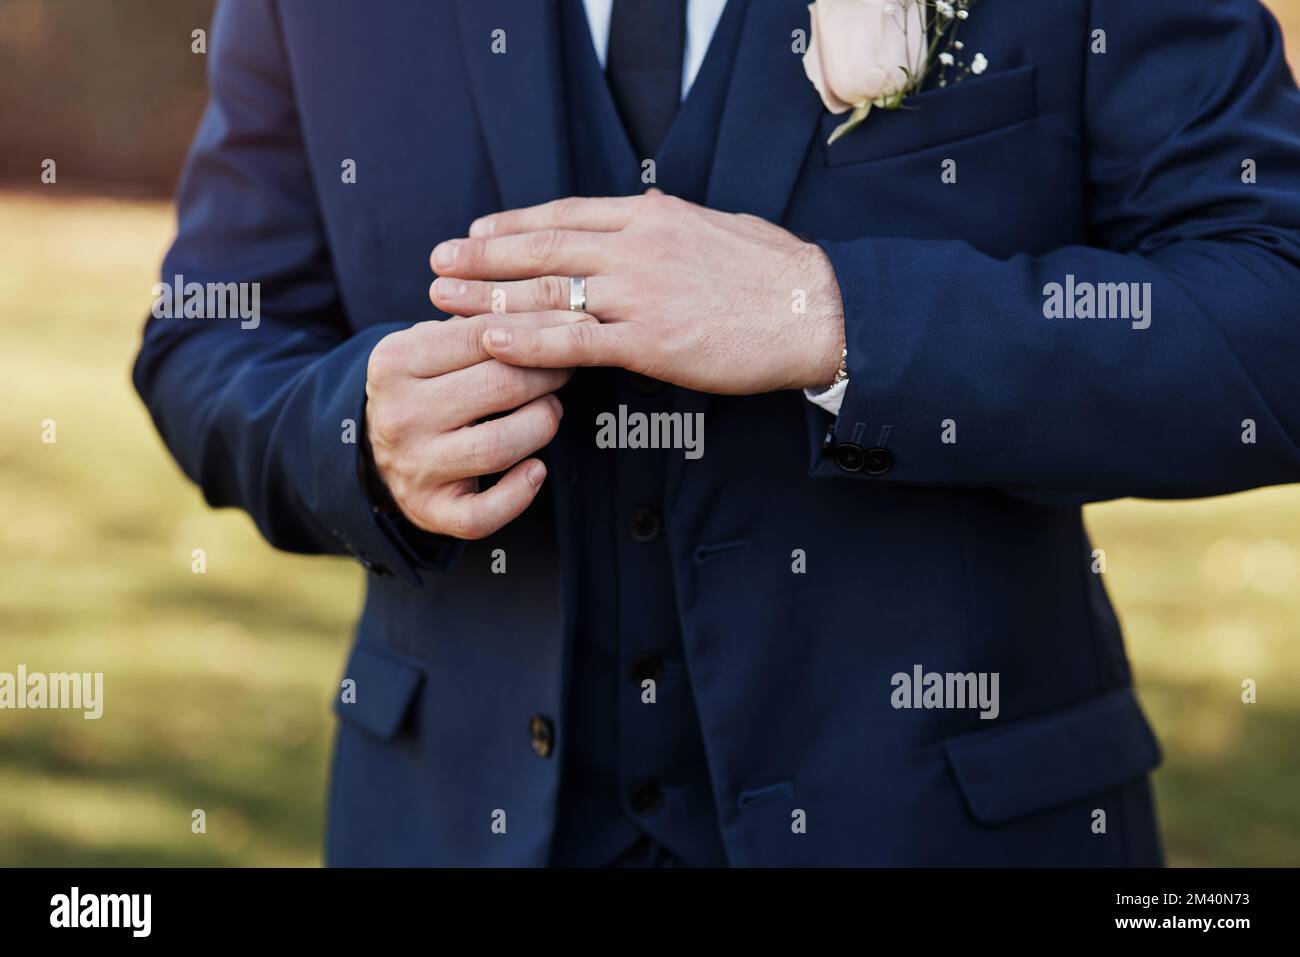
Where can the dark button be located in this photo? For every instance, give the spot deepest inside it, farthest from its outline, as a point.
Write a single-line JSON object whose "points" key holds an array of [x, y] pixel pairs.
{"points": [[644, 525], [645, 797], [647, 668], [879, 461], [644, 384], [854, 458], [542, 733], [372, 566], [849, 457]]}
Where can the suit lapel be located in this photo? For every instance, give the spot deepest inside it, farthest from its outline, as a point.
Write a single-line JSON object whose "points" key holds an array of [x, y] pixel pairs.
{"points": [[770, 116], [518, 95], [519, 98]]}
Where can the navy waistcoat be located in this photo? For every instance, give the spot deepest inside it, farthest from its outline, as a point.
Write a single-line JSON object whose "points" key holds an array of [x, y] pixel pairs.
{"points": [[634, 756]]}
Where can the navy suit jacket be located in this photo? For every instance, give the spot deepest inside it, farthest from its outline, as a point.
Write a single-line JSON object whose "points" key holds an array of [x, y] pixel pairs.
{"points": [[1122, 166]]}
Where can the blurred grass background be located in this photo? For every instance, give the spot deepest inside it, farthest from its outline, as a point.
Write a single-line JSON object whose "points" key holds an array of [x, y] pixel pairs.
{"points": [[218, 685]]}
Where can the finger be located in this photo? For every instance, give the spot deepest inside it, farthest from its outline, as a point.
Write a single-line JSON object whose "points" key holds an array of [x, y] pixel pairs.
{"points": [[561, 252], [467, 395], [497, 444], [574, 212], [439, 346], [581, 344], [469, 297], [474, 515]]}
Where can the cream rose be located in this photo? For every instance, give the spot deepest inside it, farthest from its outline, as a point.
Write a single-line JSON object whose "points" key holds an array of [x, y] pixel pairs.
{"points": [[860, 51]]}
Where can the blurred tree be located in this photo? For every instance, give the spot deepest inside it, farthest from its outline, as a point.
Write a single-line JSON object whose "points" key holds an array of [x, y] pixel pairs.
{"points": [[109, 89]]}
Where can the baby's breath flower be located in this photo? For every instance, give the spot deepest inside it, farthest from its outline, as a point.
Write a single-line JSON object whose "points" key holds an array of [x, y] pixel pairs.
{"points": [[979, 64]]}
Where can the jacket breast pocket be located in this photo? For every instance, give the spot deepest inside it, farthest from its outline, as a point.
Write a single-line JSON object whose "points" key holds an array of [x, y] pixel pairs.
{"points": [[977, 105]]}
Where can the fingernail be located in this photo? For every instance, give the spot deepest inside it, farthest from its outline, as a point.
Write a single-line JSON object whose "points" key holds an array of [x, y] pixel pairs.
{"points": [[499, 337], [536, 472], [448, 288], [444, 254], [482, 227]]}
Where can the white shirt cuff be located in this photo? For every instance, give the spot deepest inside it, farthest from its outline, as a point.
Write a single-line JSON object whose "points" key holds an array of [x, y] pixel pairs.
{"points": [[829, 399]]}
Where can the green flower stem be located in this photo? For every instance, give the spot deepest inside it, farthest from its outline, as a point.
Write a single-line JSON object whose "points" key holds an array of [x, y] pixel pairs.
{"points": [[857, 116]]}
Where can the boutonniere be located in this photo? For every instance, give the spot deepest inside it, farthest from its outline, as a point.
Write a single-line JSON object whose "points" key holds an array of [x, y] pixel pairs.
{"points": [[877, 53]]}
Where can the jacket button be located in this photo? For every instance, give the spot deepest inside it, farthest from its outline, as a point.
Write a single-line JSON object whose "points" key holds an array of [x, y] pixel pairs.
{"points": [[646, 668], [645, 525], [879, 461], [645, 797], [542, 733], [849, 457], [372, 566]]}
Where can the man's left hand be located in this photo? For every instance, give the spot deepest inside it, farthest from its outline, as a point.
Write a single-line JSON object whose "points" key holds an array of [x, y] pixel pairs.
{"points": [[717, 302]]}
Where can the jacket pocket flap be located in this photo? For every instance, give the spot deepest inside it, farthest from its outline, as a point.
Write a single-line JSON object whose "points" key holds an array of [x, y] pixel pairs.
{"points": [[1054, 758], [978, 104], [380, 695]]}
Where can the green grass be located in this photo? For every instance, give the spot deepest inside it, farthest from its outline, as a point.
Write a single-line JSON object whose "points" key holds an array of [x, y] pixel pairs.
{"points": [[217, 685], [1209, 594]]}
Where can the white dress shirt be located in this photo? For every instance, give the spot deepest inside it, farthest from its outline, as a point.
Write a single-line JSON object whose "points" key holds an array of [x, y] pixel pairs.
{"points": [[701, 20]]}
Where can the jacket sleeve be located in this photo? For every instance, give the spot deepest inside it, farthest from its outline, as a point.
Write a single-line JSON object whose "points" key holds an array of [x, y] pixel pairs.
{"points": [[945, 342], [267, 414]]}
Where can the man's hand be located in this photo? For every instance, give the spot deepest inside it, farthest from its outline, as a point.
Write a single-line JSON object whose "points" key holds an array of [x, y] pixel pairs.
{"points": [[425, 388], [717, 302]]}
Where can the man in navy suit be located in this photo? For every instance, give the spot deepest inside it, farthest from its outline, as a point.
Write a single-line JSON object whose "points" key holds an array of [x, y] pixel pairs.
{"points": [[792, 569]]}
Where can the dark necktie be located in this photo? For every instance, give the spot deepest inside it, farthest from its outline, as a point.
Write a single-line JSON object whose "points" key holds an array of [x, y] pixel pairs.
{"points": [[644, 68]]}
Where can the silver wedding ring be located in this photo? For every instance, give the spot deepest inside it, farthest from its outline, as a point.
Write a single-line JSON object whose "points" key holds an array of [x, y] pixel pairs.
{"points": [[578, 293]]}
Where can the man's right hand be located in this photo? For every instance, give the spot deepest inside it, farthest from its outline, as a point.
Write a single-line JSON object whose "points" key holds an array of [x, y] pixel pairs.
{"points": [[427, 388]]}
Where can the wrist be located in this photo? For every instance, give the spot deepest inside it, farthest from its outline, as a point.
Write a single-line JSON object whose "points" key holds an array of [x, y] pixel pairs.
{"points": [[381, 499], [824, 363]]}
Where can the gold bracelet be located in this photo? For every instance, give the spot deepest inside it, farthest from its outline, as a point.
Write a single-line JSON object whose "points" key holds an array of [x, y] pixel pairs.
{"points": [[843, 372]]}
